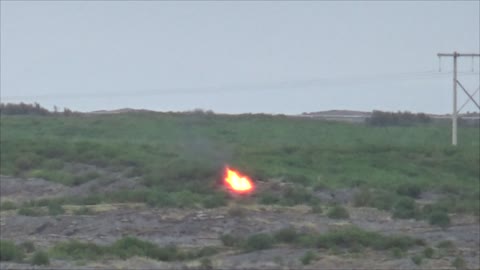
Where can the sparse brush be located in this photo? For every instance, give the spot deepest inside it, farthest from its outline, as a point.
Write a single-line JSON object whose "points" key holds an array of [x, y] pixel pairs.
{"points": [[338, 212], [40, 258]]}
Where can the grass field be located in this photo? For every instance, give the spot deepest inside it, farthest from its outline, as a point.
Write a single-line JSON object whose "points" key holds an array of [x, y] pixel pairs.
{"points": [[180, 157]]}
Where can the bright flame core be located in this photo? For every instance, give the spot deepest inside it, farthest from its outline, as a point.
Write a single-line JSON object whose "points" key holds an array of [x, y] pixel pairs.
{"points": [[237, 182]]}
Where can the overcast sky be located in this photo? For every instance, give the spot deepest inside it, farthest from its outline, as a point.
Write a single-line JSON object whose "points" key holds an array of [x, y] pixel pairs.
{"points": [[237, 57]]}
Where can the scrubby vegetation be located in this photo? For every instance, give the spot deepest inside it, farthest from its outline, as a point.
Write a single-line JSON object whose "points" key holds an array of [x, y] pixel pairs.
{"points": [[40, 258], [125, 248], [350, 238], [180, 158], [308, 257], [338, 212], [10, 252]]}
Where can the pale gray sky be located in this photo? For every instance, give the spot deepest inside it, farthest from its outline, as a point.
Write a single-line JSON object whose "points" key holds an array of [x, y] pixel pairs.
{"points": [[237, 57]]}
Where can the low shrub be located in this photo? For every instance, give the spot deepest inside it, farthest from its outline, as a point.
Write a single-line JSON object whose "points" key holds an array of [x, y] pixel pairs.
{"points": [[131, 246], [428, 252], [379, 199], [417, 259], [10, 252], [7, 205], [124, 248], [270, 198], [308, 257], [287, 235], [206, 264], [412, 190], [398, 252], [446, 244], [296, 195], [405, 208], [440, 219], [459, 263], [205, 251], [338, 212], [351, 237], [77, 250], [258, 242], [216, 200], [55, 209], [40, 258], [27, 246], [30, 211]]}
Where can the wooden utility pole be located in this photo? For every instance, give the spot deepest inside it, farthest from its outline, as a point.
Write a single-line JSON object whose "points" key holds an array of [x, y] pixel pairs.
{"points": [[455, 112]]}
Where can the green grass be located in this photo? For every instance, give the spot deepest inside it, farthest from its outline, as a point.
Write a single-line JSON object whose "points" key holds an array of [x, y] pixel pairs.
{"points": [[125, 248], [350, 238], [181, 156]]}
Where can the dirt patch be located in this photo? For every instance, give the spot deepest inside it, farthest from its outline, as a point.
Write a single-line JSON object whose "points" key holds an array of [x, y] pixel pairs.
{"points": [[20, 190]]}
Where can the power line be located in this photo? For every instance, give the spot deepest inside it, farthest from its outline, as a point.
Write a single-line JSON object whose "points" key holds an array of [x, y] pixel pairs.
{"points": [[282, 85]]}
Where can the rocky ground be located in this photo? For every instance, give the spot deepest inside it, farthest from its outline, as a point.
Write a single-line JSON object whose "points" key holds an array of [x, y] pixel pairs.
{"points": [[189, 228]]}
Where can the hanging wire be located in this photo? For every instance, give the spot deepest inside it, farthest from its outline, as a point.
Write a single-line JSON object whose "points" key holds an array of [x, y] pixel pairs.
{"points": [[439, 64], [472, 63]]}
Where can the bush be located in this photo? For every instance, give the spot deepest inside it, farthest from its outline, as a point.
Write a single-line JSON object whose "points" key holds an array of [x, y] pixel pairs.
{"points": [[446, 244], [40, 258], [459, 263], [55, 209], [287, 235], [417, 259], [440, 219], [363, 198], [412, 190], [76, 250], [7, 205], [308, 257], [338, 212], [405, 208], [270, 198], [131, 246], [123, 248], [34, 212], [206, 251], [28, 246], [296, 195], [10, 252], [353, 237], [428, 252], [379, 199], [258, 242], [206, 264], [216, 200], [398, 252]]}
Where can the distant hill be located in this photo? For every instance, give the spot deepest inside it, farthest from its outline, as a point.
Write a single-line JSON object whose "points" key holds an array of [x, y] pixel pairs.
{"points": [[117, 111]]}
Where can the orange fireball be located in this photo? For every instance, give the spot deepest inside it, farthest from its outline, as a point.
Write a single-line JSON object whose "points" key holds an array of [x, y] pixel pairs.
{"points": [[237, 182]]}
